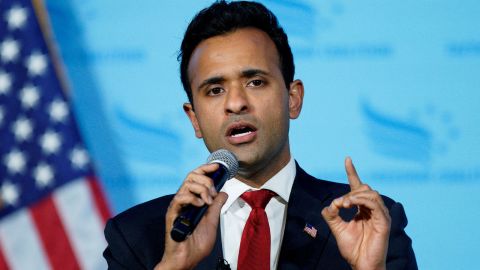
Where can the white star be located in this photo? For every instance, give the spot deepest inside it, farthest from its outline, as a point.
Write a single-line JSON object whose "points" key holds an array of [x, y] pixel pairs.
{"points": [[43, 175], [15, 161], [22, 128], [50, 142], [36, 64], [16, 17], [9, 50], [5, 82], [9, 193], [79, 157], [58, 110], [29, 96]]}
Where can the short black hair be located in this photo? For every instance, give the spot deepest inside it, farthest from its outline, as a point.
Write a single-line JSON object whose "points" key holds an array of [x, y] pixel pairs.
{"points": [[222, 18]]}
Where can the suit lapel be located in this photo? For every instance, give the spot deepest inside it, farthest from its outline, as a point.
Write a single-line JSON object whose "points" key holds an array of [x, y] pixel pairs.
{"points": [[301, 250]]}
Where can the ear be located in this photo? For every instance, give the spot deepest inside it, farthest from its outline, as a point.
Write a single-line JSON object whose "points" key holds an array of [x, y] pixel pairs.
{"points": [[188, 109], [295, 98]]}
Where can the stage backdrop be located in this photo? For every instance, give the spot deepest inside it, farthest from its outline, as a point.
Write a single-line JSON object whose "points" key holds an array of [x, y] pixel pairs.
{"points": [[394, 84]]}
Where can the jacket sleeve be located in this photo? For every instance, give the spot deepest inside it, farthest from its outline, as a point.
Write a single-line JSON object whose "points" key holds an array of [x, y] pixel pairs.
{"points": [[119, 254], [400, 252]]}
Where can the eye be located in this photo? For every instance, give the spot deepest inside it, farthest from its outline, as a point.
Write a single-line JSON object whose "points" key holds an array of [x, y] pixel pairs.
{"points": [[256, 83], [215, 91]]}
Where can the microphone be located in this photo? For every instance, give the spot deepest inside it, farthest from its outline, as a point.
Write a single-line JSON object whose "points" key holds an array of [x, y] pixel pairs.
{"points": [[190, 215]]}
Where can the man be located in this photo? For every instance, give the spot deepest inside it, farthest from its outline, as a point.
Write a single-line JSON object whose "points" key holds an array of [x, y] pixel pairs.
{"points": [[237, 69]]}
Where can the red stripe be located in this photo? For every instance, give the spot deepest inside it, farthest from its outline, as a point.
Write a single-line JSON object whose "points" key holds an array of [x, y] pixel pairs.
{"points": [[99, 198], [53, 235], [3, 261]]}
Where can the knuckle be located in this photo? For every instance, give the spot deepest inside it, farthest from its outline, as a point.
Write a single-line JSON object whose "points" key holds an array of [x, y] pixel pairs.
{"points": [[187, 181], [201, 168], [175, 200], [201, 180], [191, 177], [209, 180], [184, 187], [179, 199]]}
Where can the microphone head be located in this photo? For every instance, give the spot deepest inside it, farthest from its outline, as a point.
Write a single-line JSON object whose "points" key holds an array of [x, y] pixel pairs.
{"points": [[227, 159]]}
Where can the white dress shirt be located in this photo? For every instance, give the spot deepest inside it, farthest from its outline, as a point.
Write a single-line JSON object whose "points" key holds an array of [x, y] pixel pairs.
{"points": [[235, 212]]}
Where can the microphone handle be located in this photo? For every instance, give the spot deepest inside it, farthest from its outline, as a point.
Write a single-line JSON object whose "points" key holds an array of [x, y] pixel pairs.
{"points": [[191, 215]]}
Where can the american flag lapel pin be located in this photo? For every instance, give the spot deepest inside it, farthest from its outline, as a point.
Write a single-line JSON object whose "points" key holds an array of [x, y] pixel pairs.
{"points": [[310, 230]]}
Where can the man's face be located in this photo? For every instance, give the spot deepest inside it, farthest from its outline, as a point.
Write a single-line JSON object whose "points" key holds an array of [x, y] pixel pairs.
{"points": [[241, 102]]}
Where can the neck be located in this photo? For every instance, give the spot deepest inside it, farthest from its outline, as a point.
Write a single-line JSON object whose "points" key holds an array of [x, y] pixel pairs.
{"points": [[257, 177]]}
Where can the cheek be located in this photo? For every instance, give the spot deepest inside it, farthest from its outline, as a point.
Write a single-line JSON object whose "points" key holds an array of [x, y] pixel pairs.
{"points": [[278, 108], [276, 117], [210, 127]]}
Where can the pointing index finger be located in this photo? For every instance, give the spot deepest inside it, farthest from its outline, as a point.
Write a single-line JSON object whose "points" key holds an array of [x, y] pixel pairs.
{"points": [[352, 175]]}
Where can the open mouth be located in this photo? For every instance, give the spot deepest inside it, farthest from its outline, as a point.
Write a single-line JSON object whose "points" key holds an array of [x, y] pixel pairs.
{"points": [[240, 129], [237, 132]]}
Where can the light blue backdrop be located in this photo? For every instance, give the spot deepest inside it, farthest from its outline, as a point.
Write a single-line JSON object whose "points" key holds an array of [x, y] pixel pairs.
{"points": [[394, 84]]}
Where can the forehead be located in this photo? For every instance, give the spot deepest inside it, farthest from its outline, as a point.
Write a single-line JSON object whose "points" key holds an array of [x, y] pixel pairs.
{"points": [[226, 54]]}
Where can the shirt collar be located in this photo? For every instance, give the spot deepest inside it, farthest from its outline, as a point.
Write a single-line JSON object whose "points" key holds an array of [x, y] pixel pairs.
{"points": [[281, 183]]}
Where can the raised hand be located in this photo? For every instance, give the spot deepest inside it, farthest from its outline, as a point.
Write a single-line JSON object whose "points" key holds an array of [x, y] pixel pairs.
{"points": [[197, 189], [363, 241]]}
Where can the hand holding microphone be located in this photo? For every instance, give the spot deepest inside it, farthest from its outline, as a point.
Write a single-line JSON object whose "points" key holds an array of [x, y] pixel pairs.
{"points": [[190, 216], [193, 215]]}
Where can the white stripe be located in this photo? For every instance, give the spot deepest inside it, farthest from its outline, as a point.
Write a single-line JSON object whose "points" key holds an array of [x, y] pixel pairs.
{"points": [[83, 225], [20, 242]]}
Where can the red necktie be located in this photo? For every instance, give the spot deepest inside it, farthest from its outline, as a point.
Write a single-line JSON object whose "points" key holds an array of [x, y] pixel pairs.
{"points": [[255, 245]]}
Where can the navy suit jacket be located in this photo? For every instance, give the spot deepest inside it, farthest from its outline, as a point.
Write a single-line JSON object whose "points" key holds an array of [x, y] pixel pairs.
{"points": [[136, 237]]}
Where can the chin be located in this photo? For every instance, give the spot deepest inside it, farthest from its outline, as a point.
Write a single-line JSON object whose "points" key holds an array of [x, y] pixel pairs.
{"points": [[245, 154], [250, 161]]}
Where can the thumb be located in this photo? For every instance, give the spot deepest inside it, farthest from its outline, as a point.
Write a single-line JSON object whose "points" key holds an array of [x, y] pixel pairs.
{"points": [[331, 213]]}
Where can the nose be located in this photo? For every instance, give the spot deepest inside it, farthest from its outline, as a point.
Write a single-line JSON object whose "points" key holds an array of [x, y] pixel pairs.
{"points": [[236, 101]]}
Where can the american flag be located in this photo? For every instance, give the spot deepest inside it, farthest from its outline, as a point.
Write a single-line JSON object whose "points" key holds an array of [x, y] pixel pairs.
{"points": [[52, 211], [310, 230]]}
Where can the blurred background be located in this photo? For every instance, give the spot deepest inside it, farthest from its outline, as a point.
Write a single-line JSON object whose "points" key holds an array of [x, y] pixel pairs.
{"points": [[393, 84]]}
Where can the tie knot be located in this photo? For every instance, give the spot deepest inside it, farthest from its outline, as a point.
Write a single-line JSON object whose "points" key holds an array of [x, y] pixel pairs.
{"points": [[258, 198]]}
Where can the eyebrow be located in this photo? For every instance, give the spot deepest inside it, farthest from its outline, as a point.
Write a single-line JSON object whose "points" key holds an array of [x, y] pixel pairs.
{"points": [[248, 73], [212, 80]]}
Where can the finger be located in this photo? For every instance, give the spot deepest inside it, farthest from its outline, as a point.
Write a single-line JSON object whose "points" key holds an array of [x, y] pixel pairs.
{"points": [[197, 179], [176, 205], [206, 168], [331, 212], [370, 210], [370, 201], [199, 190], [360, 189], [369, 194], [199, 176], [186, 199], [352, 175], [185, 196]]}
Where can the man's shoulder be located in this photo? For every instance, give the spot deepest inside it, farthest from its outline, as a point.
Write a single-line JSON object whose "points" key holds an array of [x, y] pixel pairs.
{"points": [[316, 186], [135, 237], [152, 211]]}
